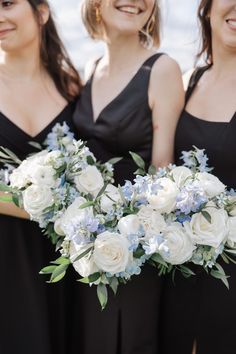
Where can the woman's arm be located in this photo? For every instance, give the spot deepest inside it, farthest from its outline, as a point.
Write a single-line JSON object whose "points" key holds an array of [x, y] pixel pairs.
{"points": [[11, 209], [166, 99]]}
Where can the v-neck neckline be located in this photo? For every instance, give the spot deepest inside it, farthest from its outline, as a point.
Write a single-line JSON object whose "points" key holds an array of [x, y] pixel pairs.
{"points": [[117, 97], [34, 137]]}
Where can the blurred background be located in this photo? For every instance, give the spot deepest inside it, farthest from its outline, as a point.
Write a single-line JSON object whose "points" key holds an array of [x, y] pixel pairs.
{"points": [[179, 31]]}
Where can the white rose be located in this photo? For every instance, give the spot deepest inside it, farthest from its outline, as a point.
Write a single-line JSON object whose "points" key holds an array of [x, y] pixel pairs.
{"points": [[177, 247], [71, 212], [232, 231], [180, 175], [85, 266], [111, 252], [152, 221], [18, 178], [89, 181], [165, 199], [208, 233], [36, 199], [129, 225], [43, 175], [211, 185], [109, 198]]}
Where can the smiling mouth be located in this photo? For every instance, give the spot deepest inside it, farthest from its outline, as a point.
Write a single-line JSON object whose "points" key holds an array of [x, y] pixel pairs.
{"points": [[231, 22], [133, 10]]}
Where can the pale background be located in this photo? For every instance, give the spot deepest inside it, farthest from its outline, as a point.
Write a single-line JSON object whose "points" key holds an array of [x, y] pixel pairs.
{"points": [[179, 31]]}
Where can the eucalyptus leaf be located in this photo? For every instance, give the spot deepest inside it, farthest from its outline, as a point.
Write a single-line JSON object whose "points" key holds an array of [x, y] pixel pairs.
{"points": [[83, 254], [86, 205], [114, 283], [158, 259], [138, 160], [59, 270], [115, 160], [152, 170], [58, 278], [48, 269], [35, 145], [206, 215], [102, 295], [61, 260], [91, 278]]}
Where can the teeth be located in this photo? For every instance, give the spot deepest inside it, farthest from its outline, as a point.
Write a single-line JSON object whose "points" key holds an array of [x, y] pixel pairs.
{"points": [[129, 9], [232, 22]]}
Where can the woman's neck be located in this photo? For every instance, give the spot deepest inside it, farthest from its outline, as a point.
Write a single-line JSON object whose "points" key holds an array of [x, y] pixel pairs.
{"points": [[224, 60], [23, 67], [124, 53]]}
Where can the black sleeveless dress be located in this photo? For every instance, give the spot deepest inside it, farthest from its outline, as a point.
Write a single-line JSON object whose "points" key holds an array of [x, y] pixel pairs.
{"points": [[32, 312], [129, 324], [201, 307]]}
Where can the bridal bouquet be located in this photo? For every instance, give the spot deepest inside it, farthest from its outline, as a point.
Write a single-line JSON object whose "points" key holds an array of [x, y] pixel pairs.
{"points": [[169, 218]]}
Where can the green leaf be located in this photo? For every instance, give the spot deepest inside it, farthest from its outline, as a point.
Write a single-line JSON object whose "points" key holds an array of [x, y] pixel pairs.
{"points": [[218, 274], [35, 145], [16, 200], [225, 258], [115, 160], [83, 254], [102, 190], [114, 284], [102, 295], [86, 205], [206, 215], [185, 270], [10, 154], [138, 160], [140, 172], [61, 260], [48, 269], [91, 278], [152, 170], [58, 273], [90, 160], [58, 278], [158, 259], [139, 253]]}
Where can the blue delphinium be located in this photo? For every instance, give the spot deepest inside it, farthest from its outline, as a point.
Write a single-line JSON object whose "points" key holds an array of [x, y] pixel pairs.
{"points": [[191, 198], [58, 131], [153, 244]]}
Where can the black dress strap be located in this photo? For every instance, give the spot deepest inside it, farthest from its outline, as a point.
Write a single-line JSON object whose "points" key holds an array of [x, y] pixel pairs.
{"points": [[195, 77]]}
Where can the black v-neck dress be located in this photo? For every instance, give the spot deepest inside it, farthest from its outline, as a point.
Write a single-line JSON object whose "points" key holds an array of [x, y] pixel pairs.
{"points": [[201, 307], [32, 312], [129, 324]]}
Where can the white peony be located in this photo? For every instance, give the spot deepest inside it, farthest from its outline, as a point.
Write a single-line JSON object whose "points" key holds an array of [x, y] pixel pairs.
{"points": [[36, 199], [74, 210], [111, 252], [43, 175], [129, 225], [208, 233], [178, 247], [18, 178], [165, 199], [110, 197], [152, 221], [232, 231], [90, 180], [211, 185], [180, 174], [85, 266]]}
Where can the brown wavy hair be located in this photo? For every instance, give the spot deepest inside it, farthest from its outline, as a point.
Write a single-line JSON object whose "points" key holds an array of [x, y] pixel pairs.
{"points": [[54, 56], [205, 27], [96, 31]]}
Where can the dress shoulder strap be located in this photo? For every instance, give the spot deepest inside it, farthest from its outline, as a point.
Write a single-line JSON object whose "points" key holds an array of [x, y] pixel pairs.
{"points": [[195, 77]]}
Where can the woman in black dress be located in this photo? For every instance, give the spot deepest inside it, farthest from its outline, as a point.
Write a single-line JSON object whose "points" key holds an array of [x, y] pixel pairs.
{"points": [[130, 103], [201, 309], [37, 84]]}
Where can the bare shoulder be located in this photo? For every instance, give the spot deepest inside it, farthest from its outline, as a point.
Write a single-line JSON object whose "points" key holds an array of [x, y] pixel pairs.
{"points": [[166, 68]]}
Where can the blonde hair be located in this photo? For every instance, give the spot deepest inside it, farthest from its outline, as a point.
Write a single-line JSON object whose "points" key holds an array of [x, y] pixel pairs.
{"points": [[151, 30]]}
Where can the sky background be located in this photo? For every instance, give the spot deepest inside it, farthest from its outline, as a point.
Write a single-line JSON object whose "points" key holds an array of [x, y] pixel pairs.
{"points": [[179, 31]]}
